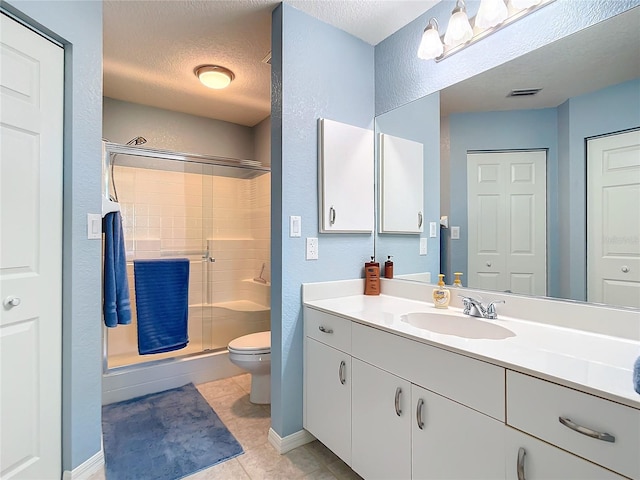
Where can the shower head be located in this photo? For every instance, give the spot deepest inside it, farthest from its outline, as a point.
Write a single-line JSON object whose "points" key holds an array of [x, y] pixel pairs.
{"points": [[137, 141]]}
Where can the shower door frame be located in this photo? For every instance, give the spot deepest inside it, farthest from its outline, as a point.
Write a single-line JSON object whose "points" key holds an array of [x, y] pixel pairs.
{"points": [[110, 151]]}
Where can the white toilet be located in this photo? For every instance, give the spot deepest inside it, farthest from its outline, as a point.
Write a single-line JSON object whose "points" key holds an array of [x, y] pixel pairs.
{"points": [[253, 353]]}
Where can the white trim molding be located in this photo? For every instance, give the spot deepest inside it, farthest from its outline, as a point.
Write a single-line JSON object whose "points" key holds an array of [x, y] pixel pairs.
{"points": [[288, 443], [86, 469]]}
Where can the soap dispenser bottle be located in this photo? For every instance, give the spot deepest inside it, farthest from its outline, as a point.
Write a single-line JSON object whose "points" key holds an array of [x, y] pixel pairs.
{"points": [[372, 277], [441, 294], [388, 268], [456, 281]]}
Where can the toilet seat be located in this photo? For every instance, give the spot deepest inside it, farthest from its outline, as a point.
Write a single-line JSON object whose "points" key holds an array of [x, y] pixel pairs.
{"points": [[252, 344]]}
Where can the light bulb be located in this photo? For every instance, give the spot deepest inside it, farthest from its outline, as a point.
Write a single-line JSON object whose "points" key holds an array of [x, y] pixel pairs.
{"points": [[459, 29], [491, 13], [430, 45]]}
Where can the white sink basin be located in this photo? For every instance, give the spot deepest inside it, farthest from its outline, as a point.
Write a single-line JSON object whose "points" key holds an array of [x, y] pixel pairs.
{"points": [[457, 325]]}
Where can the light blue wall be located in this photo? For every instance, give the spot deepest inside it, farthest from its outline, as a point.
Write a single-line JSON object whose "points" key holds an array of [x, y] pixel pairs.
{"points": [[518, 129], [418, 121], [606, 111], [318, 72], [78, 25], [402, 77]]}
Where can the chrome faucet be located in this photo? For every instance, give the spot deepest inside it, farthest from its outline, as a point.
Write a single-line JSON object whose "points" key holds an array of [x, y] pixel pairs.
{"points": [[475, 308]]}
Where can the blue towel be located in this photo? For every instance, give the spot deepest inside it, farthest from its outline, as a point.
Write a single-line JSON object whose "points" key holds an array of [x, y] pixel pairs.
{"points": [[162, 303], [636, 375], [116, 305]]}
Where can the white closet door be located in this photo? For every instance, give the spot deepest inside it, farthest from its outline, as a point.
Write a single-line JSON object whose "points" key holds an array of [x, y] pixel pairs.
{"points": [[31, 93], [613, 219], [507, 221]]}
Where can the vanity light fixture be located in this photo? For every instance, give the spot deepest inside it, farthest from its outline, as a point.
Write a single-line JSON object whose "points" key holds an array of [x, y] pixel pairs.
{"points": [[461, 31], [431, 45], [214, 76]]}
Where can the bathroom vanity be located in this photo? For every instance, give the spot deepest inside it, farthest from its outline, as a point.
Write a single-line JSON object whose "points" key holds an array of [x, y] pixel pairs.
{"points": [[398, 389]]}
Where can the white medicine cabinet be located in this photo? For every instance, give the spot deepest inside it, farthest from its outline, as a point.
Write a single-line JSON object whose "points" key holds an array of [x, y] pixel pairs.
{"points": [[401, 185], [346, 178]]}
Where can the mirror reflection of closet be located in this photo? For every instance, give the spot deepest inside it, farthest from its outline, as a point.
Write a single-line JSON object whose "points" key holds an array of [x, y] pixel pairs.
{"points": [[590, 88]]}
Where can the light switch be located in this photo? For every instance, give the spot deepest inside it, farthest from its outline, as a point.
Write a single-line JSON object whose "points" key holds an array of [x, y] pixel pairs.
{"points": [[423, 246], [433, 232], [94, 226], [295, 226], [455, 233]]}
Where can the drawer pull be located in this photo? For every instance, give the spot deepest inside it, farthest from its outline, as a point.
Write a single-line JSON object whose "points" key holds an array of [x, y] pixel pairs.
{"points": [[419, 414], [605, 437], [325, 330], [341, 372], [520, 467], [398, 393]]}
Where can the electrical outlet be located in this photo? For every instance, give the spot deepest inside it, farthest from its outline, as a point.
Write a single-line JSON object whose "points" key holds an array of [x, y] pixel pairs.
{"points": [[455, 233], [432, 229], [423, 246], [312, 248]]}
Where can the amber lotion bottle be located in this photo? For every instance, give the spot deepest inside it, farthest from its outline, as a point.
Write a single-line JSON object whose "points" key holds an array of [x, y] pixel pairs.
{"points": [[372, 277]]}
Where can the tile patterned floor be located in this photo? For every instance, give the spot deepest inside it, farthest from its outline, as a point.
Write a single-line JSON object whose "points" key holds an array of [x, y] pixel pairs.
{"points": [[250, 424]]}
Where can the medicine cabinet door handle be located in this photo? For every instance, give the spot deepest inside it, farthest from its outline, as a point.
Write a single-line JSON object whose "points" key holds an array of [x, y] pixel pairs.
{"points": [[325, 330], [419, 414], [605, 437], [520, 466], [398, 393], [419, 219], [341, 372], [332, 215]]}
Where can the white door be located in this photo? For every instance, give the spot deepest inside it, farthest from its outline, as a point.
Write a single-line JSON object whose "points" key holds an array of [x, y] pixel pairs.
{"points": [[613, 219], [31, 96], [380, 423], [507, 218]]}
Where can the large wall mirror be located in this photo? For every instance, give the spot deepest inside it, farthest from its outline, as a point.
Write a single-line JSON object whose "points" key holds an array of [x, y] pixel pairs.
{"points": [[554, 176]]}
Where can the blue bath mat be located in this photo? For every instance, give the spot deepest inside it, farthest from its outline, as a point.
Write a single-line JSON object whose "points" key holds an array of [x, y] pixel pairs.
{"points": [[164, 436]]}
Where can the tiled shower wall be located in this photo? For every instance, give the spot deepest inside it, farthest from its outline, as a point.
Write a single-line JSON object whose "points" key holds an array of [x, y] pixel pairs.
{"points": [[183, 214]]}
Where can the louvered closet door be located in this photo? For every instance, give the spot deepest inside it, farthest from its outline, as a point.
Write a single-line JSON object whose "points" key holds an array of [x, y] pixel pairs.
{"points": [[31, 96]]}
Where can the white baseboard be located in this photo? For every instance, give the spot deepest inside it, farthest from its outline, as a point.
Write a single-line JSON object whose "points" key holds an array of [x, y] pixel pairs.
{"points": [[86, 469], [288, 443]]}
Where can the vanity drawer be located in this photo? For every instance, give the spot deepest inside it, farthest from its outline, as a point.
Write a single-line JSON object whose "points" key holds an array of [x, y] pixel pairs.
{"points": [[328, 329], [535, 406], [476, 384]]}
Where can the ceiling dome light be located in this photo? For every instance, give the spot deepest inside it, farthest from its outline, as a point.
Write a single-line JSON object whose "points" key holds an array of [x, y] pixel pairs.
{"points": [[491, 13], [214, 76], [430, 45], [459, 29]]}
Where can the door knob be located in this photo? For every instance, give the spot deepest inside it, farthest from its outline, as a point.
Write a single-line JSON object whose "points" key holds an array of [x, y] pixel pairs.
{"points": [[11, 301], [625, 269]]}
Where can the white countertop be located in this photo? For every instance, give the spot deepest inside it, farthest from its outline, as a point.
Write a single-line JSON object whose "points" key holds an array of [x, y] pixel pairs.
{"points": [[590, 362]]}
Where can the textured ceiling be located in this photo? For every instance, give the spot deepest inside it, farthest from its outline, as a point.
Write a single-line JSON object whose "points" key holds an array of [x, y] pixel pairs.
{"points": [[601, 55], [152, 47]]}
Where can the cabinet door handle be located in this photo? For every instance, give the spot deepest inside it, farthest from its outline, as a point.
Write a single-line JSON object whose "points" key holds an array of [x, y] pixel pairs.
{"points": [[605, 437], [325, 330], [341, 372], [419, 414], [520, 466], [332, 216], [398, 409], [419, 219]]}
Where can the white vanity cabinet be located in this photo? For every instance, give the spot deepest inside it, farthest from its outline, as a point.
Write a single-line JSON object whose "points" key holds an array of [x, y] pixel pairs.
{"points": [[599, 430], [381, 423], [451, 441], [527, 458], [327, 381]]}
